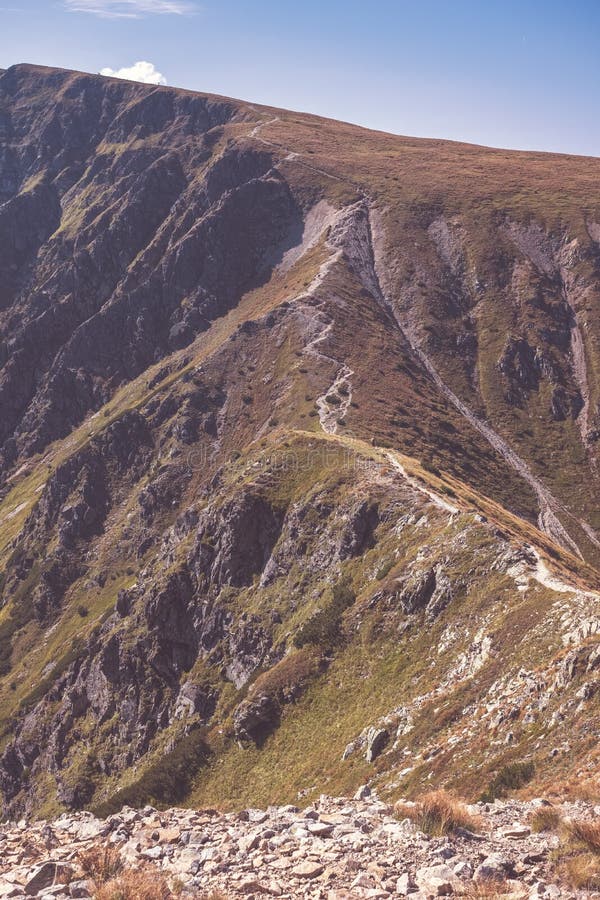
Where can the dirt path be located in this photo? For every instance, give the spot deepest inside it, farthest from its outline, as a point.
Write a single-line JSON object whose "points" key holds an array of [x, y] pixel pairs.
{"points": [[435, 498]]}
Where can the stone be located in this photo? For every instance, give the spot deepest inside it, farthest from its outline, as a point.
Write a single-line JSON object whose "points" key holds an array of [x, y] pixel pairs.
{"points": [[81, 889], [282, 863], [377, 740], [533, 857], [8, 890], [463, 869], [341, 848], [249, 842], [405, 885], [516, 831], [436, 880], [47, 875], [258, 816], [308, 870], [320, 829], [363, 792], [493, 868]]}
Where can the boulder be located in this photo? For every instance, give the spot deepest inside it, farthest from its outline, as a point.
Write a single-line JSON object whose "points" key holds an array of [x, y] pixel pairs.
{"points": [[377, 740], [47, 875], [437, 880]]}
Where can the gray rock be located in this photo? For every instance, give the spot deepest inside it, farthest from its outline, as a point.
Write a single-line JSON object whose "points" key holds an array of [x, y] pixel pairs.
{"points": [[363, 792], [437, 880], [308, 870], [494, 868], [377, 740], [47, 875], [81, 889], [406, 885], [463, 869]]}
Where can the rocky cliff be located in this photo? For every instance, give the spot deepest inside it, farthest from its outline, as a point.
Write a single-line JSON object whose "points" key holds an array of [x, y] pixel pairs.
{"points": [[299, 436]]}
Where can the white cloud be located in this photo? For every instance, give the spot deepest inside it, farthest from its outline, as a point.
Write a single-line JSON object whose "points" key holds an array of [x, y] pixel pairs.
{"points": [[145, 72], [130, 9]]}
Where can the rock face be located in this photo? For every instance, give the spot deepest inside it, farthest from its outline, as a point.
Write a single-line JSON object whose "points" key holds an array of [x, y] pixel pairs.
{"points": [[298, 457], [335, 848]]}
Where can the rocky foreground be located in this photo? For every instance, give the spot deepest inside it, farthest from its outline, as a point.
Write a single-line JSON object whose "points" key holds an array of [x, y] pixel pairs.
{"points": [[335, 849]]}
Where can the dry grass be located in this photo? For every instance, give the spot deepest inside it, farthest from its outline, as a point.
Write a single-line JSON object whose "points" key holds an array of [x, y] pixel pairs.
{"points": [[547, 818], [101, 864], [105, 868], [580, 871], [578, 858], [438, 813], [586, 833], [488, 888], [135, 884]]}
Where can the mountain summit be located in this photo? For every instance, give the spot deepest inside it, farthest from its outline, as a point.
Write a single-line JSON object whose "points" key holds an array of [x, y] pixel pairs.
{"points": [[299, 454]]}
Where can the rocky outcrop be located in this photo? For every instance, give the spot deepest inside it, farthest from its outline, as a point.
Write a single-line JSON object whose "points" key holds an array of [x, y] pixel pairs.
{"points": [[117, 260]]}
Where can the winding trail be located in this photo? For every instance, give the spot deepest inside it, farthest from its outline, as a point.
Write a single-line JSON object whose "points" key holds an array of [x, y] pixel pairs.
{"points": [[435, 498], [549, 506]]}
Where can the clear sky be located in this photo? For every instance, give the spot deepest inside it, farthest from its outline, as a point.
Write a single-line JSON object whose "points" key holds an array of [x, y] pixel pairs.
{"points": [[509, 73]]}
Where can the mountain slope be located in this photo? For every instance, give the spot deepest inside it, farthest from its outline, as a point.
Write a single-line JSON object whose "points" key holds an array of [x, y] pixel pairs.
{"points": [[293, 413]]}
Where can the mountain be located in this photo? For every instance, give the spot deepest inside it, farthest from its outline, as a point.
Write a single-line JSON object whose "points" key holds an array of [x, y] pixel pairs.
{"points": [[299, 455]]}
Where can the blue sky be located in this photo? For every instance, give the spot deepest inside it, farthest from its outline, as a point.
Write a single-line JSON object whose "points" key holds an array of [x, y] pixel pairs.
{"points": [[515, 73]]}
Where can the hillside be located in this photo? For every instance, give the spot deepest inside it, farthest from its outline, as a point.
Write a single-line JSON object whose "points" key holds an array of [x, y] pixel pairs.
{"points": [[298, 452]]}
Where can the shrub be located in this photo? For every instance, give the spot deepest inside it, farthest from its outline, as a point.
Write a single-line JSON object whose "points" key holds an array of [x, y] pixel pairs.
{"points": [[438, 813], [430, 466], [323, 629], [545, 819], [578, 856], [510, 778], [101, 864], [82, 610]]}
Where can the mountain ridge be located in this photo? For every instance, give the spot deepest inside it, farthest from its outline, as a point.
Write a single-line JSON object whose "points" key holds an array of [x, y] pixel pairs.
{"points": [[298, 417]]}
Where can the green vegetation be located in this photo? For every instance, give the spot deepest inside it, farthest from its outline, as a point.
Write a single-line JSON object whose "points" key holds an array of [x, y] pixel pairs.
{"points": [[323, 629], [510, 778], [166, 781]]}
